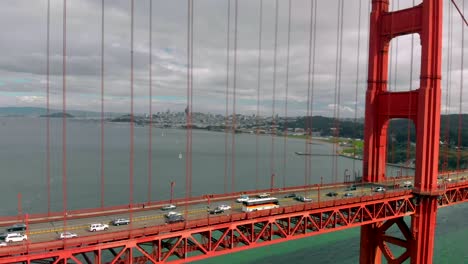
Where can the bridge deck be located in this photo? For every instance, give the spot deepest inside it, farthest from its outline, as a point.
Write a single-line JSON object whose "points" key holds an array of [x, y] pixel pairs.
{"points": [[47, 229]]}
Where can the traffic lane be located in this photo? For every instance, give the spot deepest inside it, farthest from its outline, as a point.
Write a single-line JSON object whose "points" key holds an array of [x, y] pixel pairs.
{"points": [[158, 219], [76, 224], [83, 223]]}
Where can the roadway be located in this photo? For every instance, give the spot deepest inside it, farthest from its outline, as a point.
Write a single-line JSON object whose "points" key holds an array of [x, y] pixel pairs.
{"points": [[154, 216]]}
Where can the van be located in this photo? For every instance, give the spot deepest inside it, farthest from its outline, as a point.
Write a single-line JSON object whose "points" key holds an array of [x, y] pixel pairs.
{"points": [[98, 227]]}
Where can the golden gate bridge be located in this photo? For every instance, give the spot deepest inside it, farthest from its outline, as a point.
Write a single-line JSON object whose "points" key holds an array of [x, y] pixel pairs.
{"points": [[148, 239]]}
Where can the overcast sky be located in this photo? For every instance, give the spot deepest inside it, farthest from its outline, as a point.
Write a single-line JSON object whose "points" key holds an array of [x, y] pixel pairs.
{"points": [[23, 24]]}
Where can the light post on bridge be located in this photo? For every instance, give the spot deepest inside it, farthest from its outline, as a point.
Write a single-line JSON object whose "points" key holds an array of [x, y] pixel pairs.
{"points": [[272, 182], [20, 211], [320, 186], [172, 190]]}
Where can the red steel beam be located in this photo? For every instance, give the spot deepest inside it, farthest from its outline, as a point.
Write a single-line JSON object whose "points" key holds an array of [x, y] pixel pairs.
{"points": [[240, 232], [264, 228]]}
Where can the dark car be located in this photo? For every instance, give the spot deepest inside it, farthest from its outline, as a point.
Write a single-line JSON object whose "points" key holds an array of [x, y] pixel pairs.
{"points": [[16, 228], [216, 211], [120, 221], [291, 195], [175, 219], [332, 194]]}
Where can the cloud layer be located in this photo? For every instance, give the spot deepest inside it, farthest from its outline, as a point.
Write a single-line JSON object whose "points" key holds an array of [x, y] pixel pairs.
{"points": [[23, 24]]}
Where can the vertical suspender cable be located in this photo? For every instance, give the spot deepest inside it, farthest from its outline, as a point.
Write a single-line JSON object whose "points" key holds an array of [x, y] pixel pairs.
{"points": [[226, 122], [259, 75], [408, 144], [191, 101], [234, 86], [48, 108], [273, 103], [285, 136], [64, 118], [338, 67], [188, 110], [395, 74], [102, 104], [150, 103], [389, 89], [312, 82], [461, 93], [132, 143], [448, 87], [308, 118], [357, 86]]}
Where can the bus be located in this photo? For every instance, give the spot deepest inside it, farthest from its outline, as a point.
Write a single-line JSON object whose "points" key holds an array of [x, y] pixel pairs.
{"points": [[252, 205]]}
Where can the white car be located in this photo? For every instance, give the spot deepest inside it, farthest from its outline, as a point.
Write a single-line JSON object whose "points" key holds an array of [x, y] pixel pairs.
{"points": [[3, 244], [303, 199], [168, 207], [171, 214], [14, 237], [242, 198], [380, 189], [263, 195], [98, 227], [224, 207], [65, 235], [407, 184]]}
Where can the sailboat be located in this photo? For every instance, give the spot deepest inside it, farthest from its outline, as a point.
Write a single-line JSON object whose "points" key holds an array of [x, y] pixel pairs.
{"points": [[180, 155]]}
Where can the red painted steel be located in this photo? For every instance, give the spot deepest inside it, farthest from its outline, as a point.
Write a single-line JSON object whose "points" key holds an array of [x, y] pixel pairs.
{"points": [[422, 106], [204, 238], [110, 210]]}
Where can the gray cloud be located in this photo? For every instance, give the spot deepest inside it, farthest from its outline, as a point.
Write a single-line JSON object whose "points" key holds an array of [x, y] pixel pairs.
{"points": [[23, 60]]}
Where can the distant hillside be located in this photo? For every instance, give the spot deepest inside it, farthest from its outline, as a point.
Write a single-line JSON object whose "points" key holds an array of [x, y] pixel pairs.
{"points": [[56, 115], [38, 111]]}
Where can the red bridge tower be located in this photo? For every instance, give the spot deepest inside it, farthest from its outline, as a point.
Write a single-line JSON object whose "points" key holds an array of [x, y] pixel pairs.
{"points": [[422, 106]]}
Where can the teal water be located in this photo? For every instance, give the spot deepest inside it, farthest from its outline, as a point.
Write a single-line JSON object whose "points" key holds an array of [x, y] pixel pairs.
{"points": [[23, 160], [342, 247]]}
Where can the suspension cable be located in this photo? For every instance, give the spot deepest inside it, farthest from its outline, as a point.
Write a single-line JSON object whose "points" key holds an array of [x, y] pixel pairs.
{"points": [[273, 103], [64, 118], [48, 108], [308, 117], [408, 142], [188, 110], [150, 103], [132, 125], [102, 104], [226, 128], [448, 89], [259, 75], [285, 136], [234, 87], [338, 71], [389, 90], [357, 86], [461, 94]]}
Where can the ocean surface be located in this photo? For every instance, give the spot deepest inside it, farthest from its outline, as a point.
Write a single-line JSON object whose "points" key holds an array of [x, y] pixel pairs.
{"points": [[23, 162]]}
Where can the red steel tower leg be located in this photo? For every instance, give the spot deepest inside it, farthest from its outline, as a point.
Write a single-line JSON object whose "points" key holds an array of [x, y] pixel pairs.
{"points": [[422, 106], [428, 131]]}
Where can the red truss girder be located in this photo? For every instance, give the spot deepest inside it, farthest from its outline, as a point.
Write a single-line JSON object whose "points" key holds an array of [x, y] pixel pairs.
{"points": [[250, 231], [454, 194], [179, 243]]}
